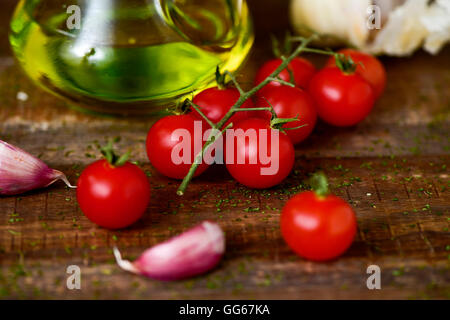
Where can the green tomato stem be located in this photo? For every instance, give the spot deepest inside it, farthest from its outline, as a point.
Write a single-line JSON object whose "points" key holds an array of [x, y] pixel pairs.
{"points": [[236, 84], [112, 158], [285, 83], [319, 184], [244, 96], [253, 109], [198, 160], [197, 108]]}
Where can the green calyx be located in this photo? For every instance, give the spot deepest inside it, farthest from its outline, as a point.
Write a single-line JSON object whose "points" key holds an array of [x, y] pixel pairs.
{"points": [[319, 184], [221, 79], [285, 49], [345, 63], [110, 156], [182, 107], [278, 123]]}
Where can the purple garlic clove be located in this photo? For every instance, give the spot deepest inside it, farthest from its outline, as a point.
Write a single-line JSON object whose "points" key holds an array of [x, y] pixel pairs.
{"points": [[21, 172], [189, 254]]}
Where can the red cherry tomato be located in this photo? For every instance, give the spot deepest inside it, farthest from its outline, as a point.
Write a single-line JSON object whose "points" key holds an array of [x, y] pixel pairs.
{"points": [[113, 197], [318, 228], [302, 70], [341, 99], [248, 172], [291, 102], [215, 103], [372, 70], [160, 146]]}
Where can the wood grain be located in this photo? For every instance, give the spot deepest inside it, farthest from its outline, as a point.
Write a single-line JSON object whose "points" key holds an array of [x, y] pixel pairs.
{"points": [[393, 168]]}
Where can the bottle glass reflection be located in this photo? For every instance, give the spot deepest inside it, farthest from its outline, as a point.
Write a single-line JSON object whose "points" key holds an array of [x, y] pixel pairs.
{"points": [[129, 56]]}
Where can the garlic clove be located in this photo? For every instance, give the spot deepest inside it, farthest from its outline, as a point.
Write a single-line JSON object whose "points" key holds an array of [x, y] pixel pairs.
{"points": [[189, 254], [21, 172], [406, 25], [338, 22], [437, 23], [403, 33]]}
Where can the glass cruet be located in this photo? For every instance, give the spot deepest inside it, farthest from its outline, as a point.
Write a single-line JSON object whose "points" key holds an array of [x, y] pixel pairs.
{"points": [[129, 56]]}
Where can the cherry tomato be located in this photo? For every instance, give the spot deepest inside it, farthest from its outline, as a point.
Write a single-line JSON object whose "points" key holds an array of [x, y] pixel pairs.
{"points": [[113, 197], [247, 171], [216, 102], [341, 99], [160, 146], [302, 70], [318, 228], [372, 70], [291, 102]]}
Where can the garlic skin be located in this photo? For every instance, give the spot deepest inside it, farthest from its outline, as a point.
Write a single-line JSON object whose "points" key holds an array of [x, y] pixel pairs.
{"points": [[437, 22], [337, 21], [189, 254], [21, 172], [406, 25], [403, 33]]}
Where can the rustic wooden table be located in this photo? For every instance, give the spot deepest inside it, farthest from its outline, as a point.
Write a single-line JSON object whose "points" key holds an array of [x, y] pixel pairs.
{"points": [[393, 168]]}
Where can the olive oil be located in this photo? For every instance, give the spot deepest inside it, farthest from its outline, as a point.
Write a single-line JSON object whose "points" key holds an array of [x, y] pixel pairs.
{"points": [[129, 57]]}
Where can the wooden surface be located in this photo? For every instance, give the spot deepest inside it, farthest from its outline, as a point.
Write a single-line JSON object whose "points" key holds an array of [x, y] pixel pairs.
{"points": [[393, 168]]}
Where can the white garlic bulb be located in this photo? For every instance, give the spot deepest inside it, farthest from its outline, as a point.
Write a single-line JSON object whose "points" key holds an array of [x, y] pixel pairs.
{"points": [[406, 25]]}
